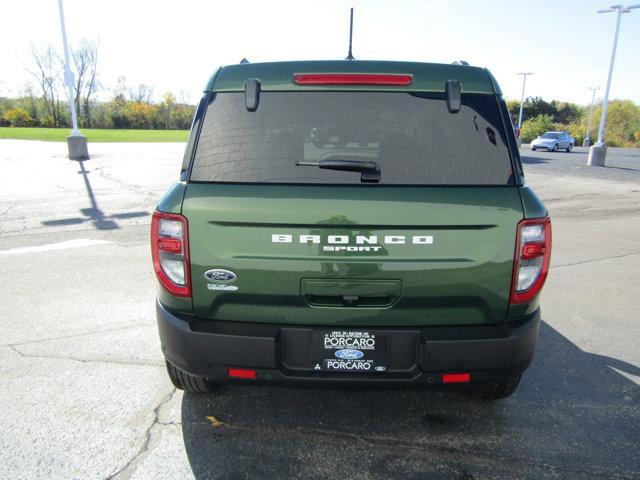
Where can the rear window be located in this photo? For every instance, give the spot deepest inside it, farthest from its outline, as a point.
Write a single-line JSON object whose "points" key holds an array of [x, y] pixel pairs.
{"points": [[412, 137]]}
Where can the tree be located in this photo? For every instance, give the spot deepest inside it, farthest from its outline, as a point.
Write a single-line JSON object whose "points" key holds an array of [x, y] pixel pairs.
{"points": [[166, 110], [85, 59], [514, 110], [623, 124], [140, 115], [47, 70], [17, 117], [534, 127], [141, 94], [172, 115], [565, 112]]}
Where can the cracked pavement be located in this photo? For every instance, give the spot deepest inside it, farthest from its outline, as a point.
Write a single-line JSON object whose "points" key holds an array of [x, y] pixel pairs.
{"points": [[85, 395]]}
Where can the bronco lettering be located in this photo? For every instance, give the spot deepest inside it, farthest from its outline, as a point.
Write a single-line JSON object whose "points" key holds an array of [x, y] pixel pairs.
{"points": [[359, 239]]}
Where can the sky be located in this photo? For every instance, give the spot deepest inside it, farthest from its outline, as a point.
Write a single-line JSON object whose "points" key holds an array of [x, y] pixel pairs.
{"points": [[176, 45]]}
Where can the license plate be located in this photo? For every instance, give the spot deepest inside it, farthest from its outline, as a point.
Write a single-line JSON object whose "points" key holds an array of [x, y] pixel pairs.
{"points": [[352, 351]]}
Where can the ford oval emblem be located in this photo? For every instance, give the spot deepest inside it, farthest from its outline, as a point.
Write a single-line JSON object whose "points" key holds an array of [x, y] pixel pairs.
{"points": [[219, 275], [349, 354]]}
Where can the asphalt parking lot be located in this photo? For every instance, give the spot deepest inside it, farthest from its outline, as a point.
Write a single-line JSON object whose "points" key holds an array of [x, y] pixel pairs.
{"points": [[85, 395]]}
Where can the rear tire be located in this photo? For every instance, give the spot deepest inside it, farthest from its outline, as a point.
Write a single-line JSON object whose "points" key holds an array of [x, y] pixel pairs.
{"points": [[500, 389], [187, 382], [569, 148]]}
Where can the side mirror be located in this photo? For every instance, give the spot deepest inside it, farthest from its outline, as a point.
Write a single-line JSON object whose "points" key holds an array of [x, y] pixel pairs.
{"points": [[453, 89], [252, 94]]}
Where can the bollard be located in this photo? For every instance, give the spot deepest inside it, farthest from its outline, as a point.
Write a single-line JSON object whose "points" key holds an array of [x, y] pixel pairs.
{"points": [[597, 154], [78, 149]]}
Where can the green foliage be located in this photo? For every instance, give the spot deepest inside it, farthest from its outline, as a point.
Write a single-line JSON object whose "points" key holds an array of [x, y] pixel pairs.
{"points": [[171, 114], [17, 117], [565, 112], [131, 111], [119, 112], [95, 135], [139, 115], [623, 124], [514, 108], [561, 112], [46, 121], [623, 120], [534, 127], [578, 130]]}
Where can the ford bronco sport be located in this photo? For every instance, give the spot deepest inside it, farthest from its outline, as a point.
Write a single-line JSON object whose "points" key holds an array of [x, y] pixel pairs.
{"points": [[350, 222]]}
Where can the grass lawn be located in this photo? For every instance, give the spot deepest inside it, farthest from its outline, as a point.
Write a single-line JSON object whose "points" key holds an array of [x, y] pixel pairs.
{"points": [[95, 135]]}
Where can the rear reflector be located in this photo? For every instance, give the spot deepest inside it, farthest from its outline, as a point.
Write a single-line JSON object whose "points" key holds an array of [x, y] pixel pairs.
{"points": [[351, 79], [242, 373], [456, 378], [172, 245]]}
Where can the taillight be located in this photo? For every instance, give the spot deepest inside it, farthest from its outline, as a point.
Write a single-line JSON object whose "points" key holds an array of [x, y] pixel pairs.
{"points": [[352, 79], [532, 257], [170, 252]]}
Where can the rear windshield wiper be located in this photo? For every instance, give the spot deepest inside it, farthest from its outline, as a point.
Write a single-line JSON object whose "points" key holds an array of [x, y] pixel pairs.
{"points": [[370, 170]]}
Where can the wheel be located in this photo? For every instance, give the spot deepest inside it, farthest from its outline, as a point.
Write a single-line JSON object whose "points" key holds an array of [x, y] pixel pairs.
{"points": [[500, 389], [533, 148], [569, 147], [187, 382], [555, 148]]}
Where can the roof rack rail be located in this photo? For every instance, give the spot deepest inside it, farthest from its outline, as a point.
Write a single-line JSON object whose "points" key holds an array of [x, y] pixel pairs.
{"points": [[243, 61], [460, 62]]}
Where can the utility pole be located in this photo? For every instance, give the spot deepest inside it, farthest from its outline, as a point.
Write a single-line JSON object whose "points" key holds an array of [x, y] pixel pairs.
{"points": [[598, 152], [587, 138], [76, 142]]}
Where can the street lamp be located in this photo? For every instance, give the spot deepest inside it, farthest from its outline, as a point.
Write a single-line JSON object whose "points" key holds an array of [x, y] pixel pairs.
{"points": [[76, 142], [587, 138], [598, 152], [524, 82]]}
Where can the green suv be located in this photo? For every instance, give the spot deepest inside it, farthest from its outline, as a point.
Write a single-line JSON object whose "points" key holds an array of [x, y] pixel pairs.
{"points": [[359, 222]]}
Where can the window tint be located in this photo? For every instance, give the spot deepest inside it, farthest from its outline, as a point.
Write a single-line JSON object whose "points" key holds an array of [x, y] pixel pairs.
{"points": [[412, 137], [551, 135]]}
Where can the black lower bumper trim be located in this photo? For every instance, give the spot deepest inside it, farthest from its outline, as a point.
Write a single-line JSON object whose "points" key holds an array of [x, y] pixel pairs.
{"points": [[208, 349]]}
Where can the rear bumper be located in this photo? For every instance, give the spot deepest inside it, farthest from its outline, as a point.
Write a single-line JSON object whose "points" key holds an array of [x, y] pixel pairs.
{"points": [[278, 352]]}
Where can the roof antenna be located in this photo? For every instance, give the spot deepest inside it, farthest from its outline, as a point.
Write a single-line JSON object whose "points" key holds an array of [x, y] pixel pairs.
{"points": [[350, 55]]}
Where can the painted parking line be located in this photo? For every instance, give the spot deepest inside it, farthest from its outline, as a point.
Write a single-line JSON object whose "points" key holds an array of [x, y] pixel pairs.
{"points": [[67, 244]]}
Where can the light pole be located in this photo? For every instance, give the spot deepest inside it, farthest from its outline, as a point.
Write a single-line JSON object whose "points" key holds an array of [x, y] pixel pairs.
{"points": [[76, 142], [524, 82], [598, 152], [587, 138]]}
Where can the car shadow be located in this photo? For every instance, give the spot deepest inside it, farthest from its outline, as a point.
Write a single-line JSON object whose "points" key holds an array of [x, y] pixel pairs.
{"points": [[93, 214], [527, 159], [575, 414]]}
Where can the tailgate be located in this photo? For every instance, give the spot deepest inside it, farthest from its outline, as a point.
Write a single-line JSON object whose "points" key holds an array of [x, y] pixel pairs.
{"points": [[353, 256]]}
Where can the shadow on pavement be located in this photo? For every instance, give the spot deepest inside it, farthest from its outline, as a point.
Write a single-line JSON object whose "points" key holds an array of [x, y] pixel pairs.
{"points": [[94, 214], [574, 415], [526, 159]]}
